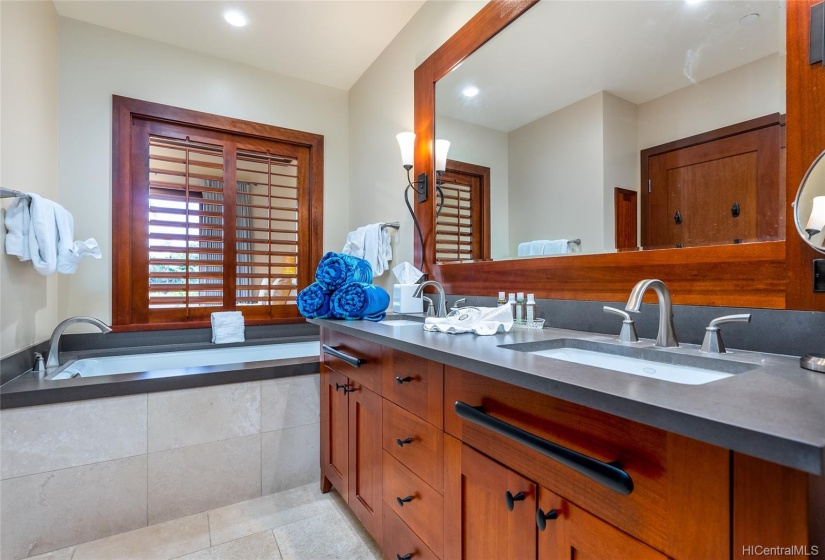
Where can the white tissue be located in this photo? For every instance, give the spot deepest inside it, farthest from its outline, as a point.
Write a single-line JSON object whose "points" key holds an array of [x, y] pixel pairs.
{"points": [[407, 273]]}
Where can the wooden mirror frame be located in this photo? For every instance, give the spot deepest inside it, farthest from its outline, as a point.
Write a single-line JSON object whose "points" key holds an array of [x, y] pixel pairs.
{"points": [[775, 274]]}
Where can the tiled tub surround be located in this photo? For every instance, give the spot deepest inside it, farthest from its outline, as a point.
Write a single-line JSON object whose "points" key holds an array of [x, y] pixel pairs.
{"points": [[78, 471]]}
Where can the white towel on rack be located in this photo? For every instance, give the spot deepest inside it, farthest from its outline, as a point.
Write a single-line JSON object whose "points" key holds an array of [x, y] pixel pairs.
{"points": [[17, 229], [51, 239], [371, 243]]}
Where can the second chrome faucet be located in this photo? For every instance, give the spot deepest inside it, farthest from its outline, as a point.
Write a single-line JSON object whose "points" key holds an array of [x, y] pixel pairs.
{"points": [[666, 337]]}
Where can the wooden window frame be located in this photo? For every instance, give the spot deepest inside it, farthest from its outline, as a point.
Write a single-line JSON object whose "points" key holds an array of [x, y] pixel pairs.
{"points": [[481, 209], [125, 287]]}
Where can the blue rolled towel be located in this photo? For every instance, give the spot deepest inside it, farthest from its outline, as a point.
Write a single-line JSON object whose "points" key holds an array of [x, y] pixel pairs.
{"points": [[357, 300], [313, 301], [337, 269]]}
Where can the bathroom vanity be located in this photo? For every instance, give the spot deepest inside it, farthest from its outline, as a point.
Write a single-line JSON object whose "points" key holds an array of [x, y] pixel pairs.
{"points": [[478, 447]]}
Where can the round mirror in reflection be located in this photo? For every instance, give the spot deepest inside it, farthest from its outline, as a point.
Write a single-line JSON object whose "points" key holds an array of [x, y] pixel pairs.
{"points": [[809, 207]]}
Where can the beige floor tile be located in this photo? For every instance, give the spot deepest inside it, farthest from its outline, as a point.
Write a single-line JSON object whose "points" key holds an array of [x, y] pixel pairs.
{"points": [[156, 542], [239, 520], [325, 536], [260, 546], [62, 554]]}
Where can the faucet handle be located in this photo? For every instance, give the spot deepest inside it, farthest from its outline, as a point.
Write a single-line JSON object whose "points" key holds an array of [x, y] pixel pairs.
{"points": [[712, 344], [430, 306], [628, 332], [457, 303]]}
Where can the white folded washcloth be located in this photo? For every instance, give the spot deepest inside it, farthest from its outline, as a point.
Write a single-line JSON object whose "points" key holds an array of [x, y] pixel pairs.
{"points": [[555, 247], [17, 222], [478, 320], [227, 326], [537, 247], [371, 243]]}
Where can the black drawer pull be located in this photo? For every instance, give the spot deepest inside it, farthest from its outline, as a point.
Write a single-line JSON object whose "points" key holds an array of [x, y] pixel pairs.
{"points": [[405, 557], [511, 500], [402, 380], [402, 501], [345, 388], [401, 442], [541, 518], [351, 360], [606, 474]]}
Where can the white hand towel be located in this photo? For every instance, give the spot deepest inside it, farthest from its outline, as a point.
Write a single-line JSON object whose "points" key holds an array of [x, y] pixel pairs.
{"points": [[371, 243], [479, 320], [227, 326], [18, 218], [524, 249], [555, 247], [69, 251], [537, 247], [43, 235]]}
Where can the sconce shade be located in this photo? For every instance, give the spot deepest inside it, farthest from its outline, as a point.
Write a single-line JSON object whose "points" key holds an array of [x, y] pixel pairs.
{"points": [[816, 222], [441, 149], [406, 141]]}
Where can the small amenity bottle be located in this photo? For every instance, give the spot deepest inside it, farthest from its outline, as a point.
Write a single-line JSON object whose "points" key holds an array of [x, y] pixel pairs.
{"points": [[520, 307], [512, 301], [530, 309], [501, 299]]}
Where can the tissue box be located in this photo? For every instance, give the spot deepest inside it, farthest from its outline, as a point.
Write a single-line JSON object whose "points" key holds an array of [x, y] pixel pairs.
{"points": [[403, 300]]}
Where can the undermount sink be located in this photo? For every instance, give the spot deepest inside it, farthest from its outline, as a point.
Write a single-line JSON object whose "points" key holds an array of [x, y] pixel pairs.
{"points": [[688, 369]]}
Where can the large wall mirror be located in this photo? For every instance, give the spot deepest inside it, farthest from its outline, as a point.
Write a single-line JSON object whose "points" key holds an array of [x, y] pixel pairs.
{"points": [[610, 126]]}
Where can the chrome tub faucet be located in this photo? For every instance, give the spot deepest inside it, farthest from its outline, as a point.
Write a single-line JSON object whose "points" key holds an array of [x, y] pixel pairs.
{"points": [[54, 346]]}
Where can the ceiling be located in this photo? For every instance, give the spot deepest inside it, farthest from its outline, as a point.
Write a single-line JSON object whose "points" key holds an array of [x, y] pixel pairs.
{"points": [[637, 50], [330, 42]]}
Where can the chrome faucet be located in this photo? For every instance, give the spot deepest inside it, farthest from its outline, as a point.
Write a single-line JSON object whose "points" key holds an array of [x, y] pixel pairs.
{"points": [[54, 345], [442, 299], [666, 337]]}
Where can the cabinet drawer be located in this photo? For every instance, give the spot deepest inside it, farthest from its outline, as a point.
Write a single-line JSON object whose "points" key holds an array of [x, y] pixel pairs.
{"points": [[680, 499], [421, 508], [368, 373], [424, 453], [399, 540], [415, 384]]}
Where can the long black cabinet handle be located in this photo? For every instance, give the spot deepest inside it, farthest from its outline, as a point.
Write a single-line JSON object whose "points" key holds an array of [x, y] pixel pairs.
{"points": [[351, 360], [606, 474]]}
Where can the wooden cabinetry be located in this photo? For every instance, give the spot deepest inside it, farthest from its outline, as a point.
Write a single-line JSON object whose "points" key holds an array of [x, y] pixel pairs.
{"points": [[351, 429], [432, 484]]}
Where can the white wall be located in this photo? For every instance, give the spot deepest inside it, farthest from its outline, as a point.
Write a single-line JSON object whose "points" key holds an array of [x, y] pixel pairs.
{"points": [[621, 159], [96, 63], [556, 177], [488, 147], [381, 106], [748, 92], [28, 159]]}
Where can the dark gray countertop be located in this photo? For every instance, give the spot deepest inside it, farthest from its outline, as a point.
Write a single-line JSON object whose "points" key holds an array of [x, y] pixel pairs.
{"points": [[775, 412]]}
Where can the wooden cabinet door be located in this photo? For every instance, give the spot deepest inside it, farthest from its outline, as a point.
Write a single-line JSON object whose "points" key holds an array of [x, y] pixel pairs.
{"points": [[334, 431], [571, 532], [365, 485], [488, 528]]}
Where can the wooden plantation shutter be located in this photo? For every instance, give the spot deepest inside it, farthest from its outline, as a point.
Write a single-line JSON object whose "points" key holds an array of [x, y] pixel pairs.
{"points": [[213, 220], [462, 228]]}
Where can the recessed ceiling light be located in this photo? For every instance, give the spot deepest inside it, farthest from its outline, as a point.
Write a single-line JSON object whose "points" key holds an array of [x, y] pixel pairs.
{"points": [[750, 18], [235, 18], [470, 91], [694, 1]]}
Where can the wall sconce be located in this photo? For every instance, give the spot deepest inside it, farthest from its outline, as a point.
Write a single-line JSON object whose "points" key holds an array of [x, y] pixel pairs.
{"points": [[816, 222], [406, 142]]}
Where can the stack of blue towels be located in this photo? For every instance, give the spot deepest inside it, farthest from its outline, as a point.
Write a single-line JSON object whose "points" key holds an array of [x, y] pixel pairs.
{"points": [[343, 289]]}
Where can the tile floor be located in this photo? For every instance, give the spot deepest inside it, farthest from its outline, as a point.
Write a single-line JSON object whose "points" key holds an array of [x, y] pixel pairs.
{"points": [[298, 524]]}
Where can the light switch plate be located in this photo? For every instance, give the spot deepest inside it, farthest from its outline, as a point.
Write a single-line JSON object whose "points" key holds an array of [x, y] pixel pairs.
{"points": [[819, 275]]}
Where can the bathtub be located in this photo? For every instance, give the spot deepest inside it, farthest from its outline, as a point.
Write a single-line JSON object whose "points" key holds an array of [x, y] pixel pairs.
{"points": [[135, 363]]}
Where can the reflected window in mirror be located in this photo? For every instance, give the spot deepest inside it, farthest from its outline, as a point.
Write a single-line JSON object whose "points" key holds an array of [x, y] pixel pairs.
{"points": [[462, 231], [597, 84]]}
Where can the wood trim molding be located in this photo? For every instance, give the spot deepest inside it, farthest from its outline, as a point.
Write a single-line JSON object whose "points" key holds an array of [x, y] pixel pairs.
{"points": [[757, 275]]}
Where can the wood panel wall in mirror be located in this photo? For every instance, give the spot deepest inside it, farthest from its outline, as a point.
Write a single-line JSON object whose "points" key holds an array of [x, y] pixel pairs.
{"points": [[573, 100]]}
